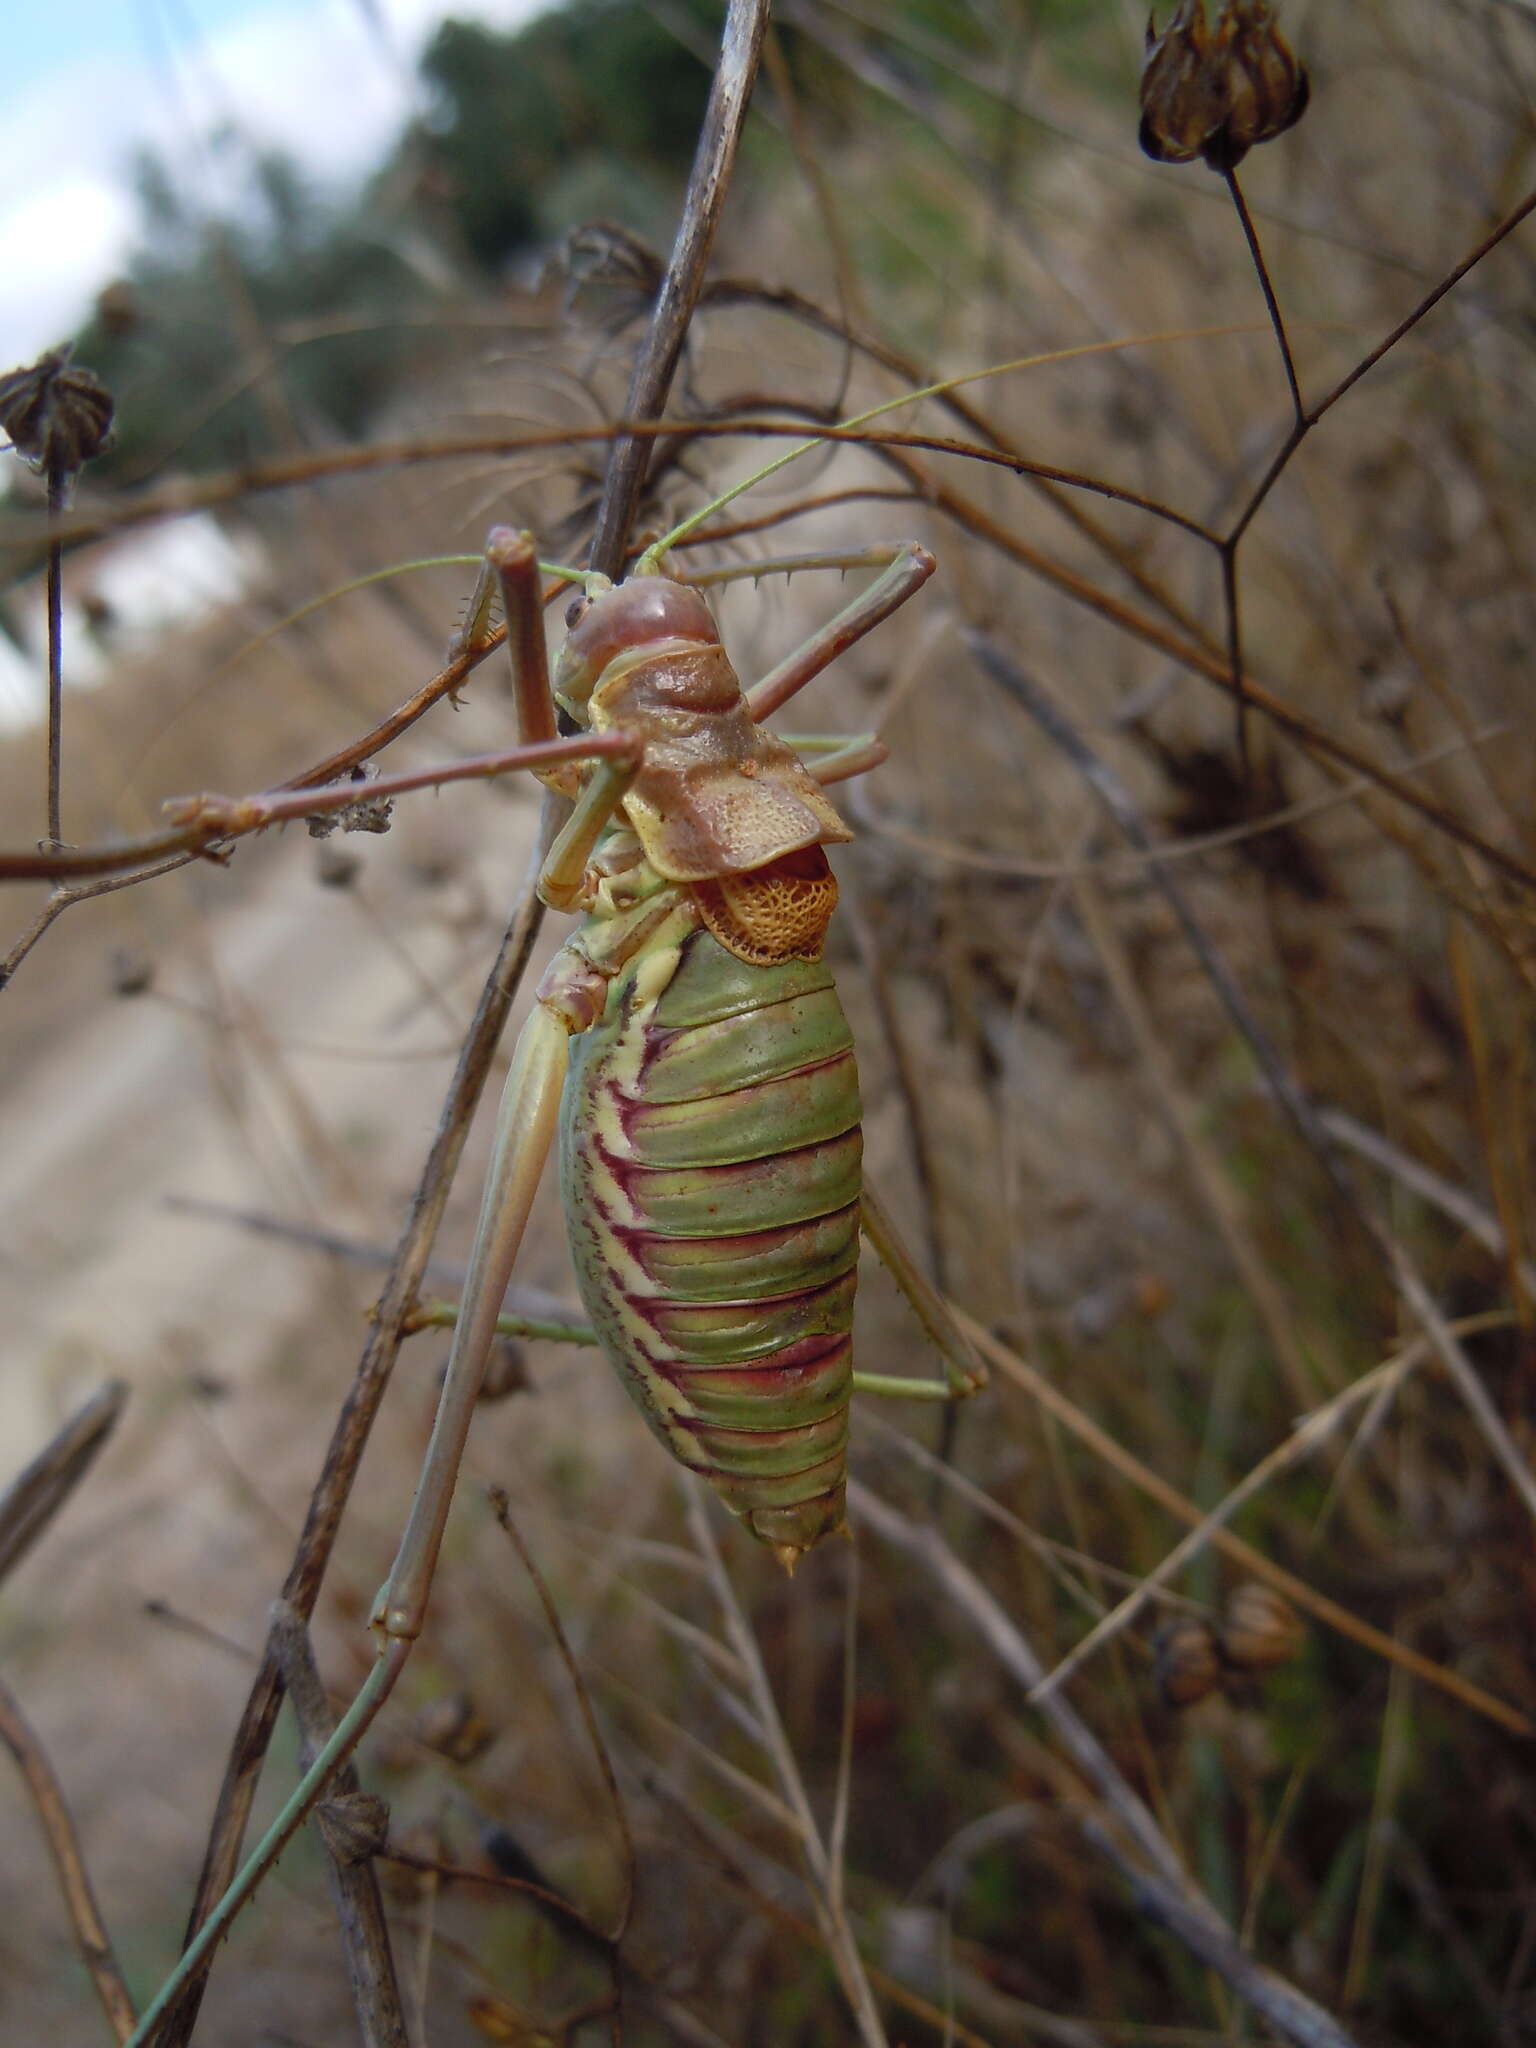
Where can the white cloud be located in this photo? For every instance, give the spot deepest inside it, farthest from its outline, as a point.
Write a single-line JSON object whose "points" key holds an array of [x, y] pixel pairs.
{"points": [[309, 78]]}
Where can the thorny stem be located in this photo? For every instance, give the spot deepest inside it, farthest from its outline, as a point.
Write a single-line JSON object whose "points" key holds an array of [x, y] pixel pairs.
{"points": [[199, 823]]}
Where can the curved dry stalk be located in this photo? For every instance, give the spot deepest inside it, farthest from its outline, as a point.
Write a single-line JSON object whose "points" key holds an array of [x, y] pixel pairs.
{"points": [[501, 1508], [826, 1879], [1255, 1562], [1286, 1091], [1119, 1825], [48, 1483], [91, 1937], [1309, 1435]]}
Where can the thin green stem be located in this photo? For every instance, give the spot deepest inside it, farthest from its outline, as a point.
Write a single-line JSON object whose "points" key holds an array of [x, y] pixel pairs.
{"points": [[350, 1729]]}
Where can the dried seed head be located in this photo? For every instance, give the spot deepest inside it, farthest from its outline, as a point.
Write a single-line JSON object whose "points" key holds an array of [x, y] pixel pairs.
{"points": [[1259, 1630], [355, 1825], [1186, 1660], [57, 415], [1214, 92]]}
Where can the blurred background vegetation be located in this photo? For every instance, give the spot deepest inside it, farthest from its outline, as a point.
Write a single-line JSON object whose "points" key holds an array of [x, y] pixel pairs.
{"points": [[1075, 1132]]}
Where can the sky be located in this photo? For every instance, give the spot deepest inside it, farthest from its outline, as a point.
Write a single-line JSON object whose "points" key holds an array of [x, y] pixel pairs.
{"points": [[85, 82]]}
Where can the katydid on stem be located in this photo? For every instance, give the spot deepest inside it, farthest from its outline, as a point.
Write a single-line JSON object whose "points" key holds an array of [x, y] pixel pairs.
{"points": [[688, 1054]]}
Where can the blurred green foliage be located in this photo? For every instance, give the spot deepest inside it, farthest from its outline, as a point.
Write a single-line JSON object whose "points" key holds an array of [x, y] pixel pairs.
{"points": [[203, 340], [277, 314], [591, 87]]}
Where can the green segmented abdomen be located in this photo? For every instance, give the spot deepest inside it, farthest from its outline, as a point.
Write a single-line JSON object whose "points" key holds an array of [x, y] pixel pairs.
{"points": [[710, 1156]]}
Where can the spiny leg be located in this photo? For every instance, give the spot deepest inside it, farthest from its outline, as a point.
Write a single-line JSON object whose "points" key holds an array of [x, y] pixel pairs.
{"points": [[908, 567], [513, 559]]}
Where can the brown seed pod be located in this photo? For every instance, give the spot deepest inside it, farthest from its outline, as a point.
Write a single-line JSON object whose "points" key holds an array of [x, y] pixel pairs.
{"points": [[1259, 1630], [57, 415], [1186, 1660], [1215, 92], [355, 1825]]}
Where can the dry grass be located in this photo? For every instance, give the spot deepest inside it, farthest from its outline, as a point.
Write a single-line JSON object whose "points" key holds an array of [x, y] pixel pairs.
{"points": [[1111, 1189]]}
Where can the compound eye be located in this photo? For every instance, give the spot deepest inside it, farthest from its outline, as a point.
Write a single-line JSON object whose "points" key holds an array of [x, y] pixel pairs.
{"points": [[576, 610]]}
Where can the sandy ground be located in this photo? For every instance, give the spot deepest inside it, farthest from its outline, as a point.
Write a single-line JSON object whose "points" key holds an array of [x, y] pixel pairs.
{"points": [[288, 1061]]}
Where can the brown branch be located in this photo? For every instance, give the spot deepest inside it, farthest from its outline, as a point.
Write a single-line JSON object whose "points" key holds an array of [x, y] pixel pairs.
{"points": [[746, 23], [205, 494], [200, 822], [91, 1937], [41, 1489], [353, 1880]]}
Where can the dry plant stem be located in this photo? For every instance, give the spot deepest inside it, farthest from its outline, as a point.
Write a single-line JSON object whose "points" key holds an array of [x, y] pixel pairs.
{"points": [[354, 1886], [746, 22], [1255, 1562], [91, 1938], [228, 486], [1420, 1180], [1309, 1435], [350, 1436], [1308, 420], [40, 1489], [501, 1508], [1222, 1200], [58, 497], [1276, 319], [1118, 1824], [1216, 669], [727, 111], [825, 1886], [1287, 1093], [208, 821]]}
